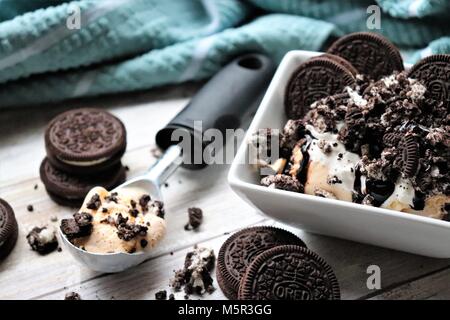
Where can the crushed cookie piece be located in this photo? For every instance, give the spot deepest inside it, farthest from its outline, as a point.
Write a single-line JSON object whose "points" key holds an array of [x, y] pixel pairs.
{"points": [[112, 197], [72, 296], [42, 240], [83, 219], [195, 277], [143, 202], [161, 295], [368, 200], [283, 182], [195, 218], [30, 208], [324, 194], [94, 203], [129, 231], [133, 212]]}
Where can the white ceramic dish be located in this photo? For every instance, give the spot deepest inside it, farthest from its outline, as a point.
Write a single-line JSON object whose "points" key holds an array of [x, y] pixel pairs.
{"points": [[376, 226]]}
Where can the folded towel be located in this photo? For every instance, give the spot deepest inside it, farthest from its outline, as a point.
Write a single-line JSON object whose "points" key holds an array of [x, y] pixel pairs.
{"points": [[126, 45]]}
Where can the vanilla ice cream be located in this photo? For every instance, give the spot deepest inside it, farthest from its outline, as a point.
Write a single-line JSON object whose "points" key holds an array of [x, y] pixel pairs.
{"points": [[124, 221]]}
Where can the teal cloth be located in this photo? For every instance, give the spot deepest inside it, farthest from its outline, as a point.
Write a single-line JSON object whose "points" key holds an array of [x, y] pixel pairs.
{"points": [[127, 45]]}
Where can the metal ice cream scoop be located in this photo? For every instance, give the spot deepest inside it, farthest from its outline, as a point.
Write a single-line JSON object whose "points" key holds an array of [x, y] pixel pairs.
{"points": [[221, 104]]}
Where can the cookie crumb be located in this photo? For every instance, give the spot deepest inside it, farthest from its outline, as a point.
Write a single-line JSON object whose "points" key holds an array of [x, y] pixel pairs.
{"points": [[35, 187], [195, 218], [72, 296], [161, 295], [195, 277], [30, 208], [42, 240]]}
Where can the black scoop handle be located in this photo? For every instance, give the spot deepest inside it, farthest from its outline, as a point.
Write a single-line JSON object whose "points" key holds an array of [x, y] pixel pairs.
{"points": [[222, 102]]}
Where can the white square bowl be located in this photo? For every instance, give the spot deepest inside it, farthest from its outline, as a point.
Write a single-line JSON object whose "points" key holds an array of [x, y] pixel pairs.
{"points": [[376, 226]]}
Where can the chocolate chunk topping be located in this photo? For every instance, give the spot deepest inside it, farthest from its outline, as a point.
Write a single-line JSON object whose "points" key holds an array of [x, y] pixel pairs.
{"points": [[83, 219], [144, 243], [94, 203], [159, 207], [410, 156], [72, 296], [391, 139], [195, 277], [143, 202], [283, 182], [195, 218], [133, 212], [121, 219], [40, 243], [112, 197], [161, 295], [129, 231], [293, 131], [72, 229], [324, 194]]}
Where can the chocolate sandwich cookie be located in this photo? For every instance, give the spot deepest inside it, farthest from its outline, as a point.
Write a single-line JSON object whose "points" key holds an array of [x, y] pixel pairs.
{"points": [[434, 73], [85, 141], [70, 190], [346, 64], [315, 79], [370, 53], [8, 229], [289, 273], [242, 248]]}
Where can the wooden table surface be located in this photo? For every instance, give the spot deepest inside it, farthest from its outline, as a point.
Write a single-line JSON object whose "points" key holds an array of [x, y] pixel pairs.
{"points": [[26, 275]]}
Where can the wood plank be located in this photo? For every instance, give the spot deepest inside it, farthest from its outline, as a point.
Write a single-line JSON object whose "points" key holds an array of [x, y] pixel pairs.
{"points": [[434, 286]]}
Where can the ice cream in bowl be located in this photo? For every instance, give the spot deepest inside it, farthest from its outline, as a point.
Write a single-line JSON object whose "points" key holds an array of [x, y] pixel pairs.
{"points": [[114, 230]]}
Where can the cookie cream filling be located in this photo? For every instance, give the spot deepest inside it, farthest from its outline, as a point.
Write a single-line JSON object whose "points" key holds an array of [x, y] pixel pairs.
{"points": [[402, 197], [330, 163], [84, 163]]}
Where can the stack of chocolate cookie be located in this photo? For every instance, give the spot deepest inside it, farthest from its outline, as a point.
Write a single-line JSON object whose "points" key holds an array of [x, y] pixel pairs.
{"points": [[267, 263], [84, 149]]}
